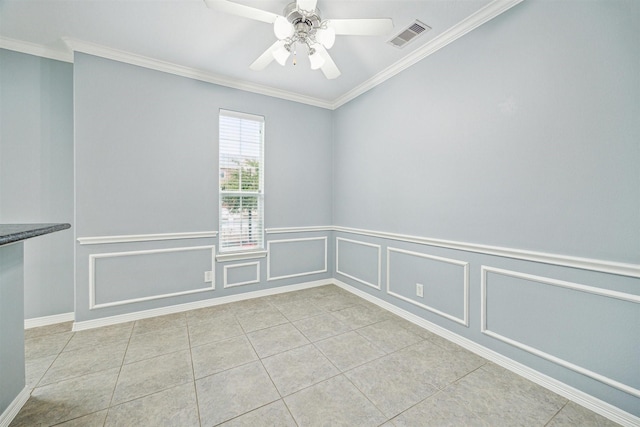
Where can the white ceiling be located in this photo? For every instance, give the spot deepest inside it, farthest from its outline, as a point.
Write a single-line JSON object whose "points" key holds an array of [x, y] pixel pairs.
{"points": [[187, 33]]}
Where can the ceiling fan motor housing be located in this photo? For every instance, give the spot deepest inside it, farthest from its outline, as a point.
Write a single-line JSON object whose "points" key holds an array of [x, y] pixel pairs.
{"points": [[305, 23]]}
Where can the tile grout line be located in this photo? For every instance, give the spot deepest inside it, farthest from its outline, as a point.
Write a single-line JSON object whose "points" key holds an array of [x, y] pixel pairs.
{"points": [[49, 367], [119, 372], [340, 372], [193, 372], [438, 391], [270, 379], [557, 412], [388, 419]]}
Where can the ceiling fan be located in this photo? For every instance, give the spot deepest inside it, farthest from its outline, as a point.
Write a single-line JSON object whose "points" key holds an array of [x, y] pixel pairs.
{"points": [[300, 23]]}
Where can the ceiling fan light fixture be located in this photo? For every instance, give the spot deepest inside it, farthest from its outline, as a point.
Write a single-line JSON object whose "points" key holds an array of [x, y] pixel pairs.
{"points": [[281, 54], [315, 59], [282, 28], [326, 36], [301, 25]]}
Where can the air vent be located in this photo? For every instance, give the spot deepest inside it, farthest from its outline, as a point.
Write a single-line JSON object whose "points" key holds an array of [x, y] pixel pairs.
{"points": [[409, 33]]}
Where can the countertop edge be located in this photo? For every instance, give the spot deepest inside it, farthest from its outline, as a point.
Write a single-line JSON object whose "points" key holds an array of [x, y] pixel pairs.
{"points": [[11, 233]]}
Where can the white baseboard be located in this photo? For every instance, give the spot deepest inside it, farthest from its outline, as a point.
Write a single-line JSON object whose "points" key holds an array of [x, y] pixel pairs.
{"points": [[36, 322], [14, 407], [596, 405], [129, 317]]}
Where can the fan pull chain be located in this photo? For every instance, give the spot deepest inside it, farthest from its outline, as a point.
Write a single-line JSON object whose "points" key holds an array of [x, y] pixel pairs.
{"points": [[295, 60]]}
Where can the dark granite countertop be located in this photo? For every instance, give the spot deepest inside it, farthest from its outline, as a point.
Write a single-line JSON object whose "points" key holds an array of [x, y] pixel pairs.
{"points": [[10, 233]]}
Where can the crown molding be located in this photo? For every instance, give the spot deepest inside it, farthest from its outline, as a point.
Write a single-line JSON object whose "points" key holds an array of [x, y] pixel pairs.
{"points": [[76, 45], [482, 16], [472, 22], [35, 49]]}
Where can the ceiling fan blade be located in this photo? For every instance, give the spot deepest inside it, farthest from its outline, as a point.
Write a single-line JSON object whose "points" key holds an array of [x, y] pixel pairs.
{"points": [[266, 58], [361, 27], [329, 68], [242, 10], [307, 5]]}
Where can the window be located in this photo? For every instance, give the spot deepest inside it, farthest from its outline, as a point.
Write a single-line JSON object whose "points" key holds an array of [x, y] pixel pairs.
{"points": [[241, 181]]}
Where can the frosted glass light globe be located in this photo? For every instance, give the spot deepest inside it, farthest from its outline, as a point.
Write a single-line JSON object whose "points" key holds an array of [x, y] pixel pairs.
{"points": [[282, 28]]}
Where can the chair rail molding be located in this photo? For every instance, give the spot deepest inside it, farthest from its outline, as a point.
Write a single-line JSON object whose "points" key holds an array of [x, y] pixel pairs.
{"points": [[603, 266], [130, 238]]}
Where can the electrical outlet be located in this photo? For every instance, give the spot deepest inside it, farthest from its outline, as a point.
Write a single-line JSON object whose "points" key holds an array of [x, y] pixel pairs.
{"points": [[419, 290], [208, 277]]}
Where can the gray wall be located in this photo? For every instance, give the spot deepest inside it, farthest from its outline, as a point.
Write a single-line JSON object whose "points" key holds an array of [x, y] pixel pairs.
{"points": [[36, 172], [523, 134], [147, 162]]}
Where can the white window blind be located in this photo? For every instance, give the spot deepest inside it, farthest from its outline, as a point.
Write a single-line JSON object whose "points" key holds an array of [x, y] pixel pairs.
{"points": [[241, 142]]}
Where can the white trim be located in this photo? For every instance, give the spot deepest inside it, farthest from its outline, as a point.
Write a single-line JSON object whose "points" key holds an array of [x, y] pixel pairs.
{"points": [[129, 238], [179, 308], [225, 283], [485, 14], [590, 402], [35, 49], [611, 267], [237, 256], [241, 115], [465, 283], [357, 242], [307, 273], [92, 276], [308, 229], [14, 407], [36, 322], [472, 22], [192, 73], [559, 283]]}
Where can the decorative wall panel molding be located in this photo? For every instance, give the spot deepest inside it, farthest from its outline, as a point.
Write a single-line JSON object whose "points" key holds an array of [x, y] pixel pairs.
{"points": [[605, 293], [289, 242], [227, 268], [93, 258], [375, 285], [464, 283]]}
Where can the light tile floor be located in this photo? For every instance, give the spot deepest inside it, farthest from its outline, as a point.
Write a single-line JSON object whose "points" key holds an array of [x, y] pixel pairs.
{"points": [[317, 357]]}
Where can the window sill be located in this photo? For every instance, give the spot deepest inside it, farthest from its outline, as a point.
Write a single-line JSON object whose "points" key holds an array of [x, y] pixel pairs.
{"points": [[236, 256]]}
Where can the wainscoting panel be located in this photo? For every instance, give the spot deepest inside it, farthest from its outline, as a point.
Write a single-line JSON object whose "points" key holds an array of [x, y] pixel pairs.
{"points": [[582, 328], [119, 278], [241, 274], [359, 261], [445, 283], [296, 257]]}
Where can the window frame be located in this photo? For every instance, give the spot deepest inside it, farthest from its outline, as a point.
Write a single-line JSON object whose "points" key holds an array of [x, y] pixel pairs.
{"points": [[229, 253]]}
